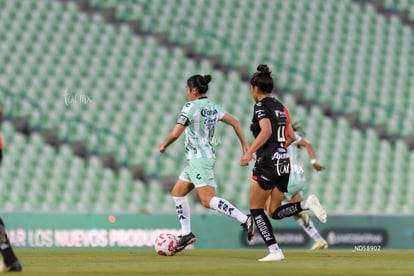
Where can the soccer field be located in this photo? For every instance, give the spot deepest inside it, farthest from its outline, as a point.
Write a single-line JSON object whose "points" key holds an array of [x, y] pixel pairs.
{"points": [[215, 262]]}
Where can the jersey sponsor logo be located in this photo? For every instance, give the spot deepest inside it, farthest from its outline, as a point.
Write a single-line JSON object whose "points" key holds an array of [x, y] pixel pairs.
{"points": [[210, 121], [278, 155], [198, 176], [210, 117], [260, 113], [264, 177], [205, 112], [282, 167], [280, 114]]}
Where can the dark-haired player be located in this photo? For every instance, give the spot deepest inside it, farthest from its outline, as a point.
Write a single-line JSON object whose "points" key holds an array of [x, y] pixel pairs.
{"points": [[273, 132], [198, 119]]}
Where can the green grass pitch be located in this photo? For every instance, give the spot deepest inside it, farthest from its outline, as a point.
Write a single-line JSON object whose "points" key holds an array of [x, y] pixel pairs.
{"points": [[215, 262]]}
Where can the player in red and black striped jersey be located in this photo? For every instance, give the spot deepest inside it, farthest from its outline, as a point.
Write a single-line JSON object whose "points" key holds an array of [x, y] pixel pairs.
{"points": [[273, 133], [11, 263]]}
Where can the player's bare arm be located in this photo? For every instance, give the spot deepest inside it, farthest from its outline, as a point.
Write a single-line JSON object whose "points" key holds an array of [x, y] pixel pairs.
{"points": [[174, 135], [230, 120], [311, 152], [291, 135], [261, 139]]}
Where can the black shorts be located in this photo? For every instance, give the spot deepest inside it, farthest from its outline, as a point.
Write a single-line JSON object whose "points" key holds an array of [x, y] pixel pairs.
{"points": [[271, 170]]}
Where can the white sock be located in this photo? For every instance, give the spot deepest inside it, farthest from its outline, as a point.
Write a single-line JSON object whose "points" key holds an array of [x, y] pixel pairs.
{"points": [[182, 207], [224, 207], [310, 230], [274, 248]]}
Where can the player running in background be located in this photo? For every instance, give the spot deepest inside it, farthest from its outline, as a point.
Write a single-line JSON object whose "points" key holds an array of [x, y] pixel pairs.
{"points": [[297, 183], [273, 132], [198, 119], [1, 141], [11, 263]]}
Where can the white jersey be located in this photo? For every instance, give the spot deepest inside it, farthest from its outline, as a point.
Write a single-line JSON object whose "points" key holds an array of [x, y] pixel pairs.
{"points": [[297, 172], [200, 118]]}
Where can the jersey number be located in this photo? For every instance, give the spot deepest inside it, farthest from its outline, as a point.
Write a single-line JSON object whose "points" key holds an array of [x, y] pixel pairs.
{"points": [[211, 130], [281, 134]]}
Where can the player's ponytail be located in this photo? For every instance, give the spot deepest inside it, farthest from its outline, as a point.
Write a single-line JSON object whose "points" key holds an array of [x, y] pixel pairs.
{"points": [[297, 127]]}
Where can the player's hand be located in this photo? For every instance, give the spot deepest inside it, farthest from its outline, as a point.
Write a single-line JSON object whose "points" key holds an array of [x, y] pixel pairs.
{"points": [[244, 161], [162, 148], [318, 166]]}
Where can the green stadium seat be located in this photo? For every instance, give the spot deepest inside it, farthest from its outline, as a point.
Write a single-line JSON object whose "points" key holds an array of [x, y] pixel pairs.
{"points": [[341, 49]]}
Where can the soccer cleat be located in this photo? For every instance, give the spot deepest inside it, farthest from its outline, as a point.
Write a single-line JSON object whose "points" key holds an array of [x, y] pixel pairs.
{"points": [[184, 242], [276, 256], [316, 208], [249, 226], [305, 217], [321, 244], [15, 267]]}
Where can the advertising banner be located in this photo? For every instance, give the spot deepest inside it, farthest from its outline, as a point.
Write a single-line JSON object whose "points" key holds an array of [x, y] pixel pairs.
{"points": [[213, 231]]}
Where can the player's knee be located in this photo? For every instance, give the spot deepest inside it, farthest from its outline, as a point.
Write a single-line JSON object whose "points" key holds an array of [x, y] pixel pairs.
{"points": [[268, 211], [205, 202], [205, 199]]}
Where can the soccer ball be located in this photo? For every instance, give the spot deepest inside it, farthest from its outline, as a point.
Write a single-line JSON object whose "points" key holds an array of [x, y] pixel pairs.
{"points": [[165, 243]]}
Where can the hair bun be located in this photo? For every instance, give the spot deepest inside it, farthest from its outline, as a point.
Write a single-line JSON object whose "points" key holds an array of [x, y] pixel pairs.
{"points": [[263, 68], [206, 79]]}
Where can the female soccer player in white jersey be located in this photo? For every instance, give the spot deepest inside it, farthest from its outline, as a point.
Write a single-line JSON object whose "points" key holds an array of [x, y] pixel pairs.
{"points": [[198, 119], [297, 183]]}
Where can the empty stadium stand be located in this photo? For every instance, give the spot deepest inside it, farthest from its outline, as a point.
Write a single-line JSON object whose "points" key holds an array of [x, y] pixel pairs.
{"points": [[117, 90]]}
